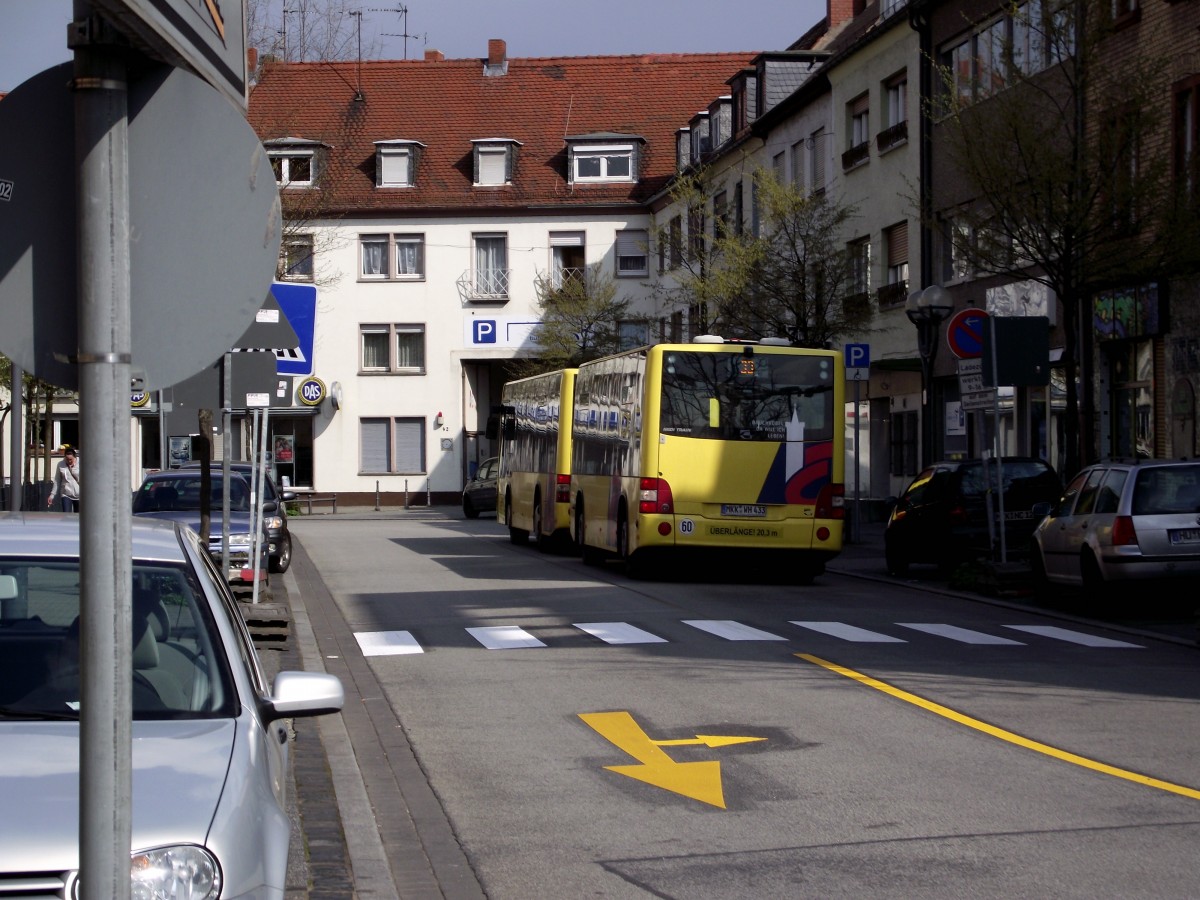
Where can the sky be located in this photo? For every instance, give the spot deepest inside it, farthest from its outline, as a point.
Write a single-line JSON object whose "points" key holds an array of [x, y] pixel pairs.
{"points": [[33, 33]]}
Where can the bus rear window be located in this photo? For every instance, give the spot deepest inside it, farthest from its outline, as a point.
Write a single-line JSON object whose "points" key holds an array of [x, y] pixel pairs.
{"points": [[738, 396]]}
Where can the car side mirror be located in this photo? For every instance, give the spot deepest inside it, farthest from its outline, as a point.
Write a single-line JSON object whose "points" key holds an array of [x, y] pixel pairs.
{"points": [[288, 496], [1042, 509], [295, 694]]}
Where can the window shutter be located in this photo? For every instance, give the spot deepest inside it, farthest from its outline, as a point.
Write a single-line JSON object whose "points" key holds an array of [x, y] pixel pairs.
{"points": [[394, 167], [566, 239], [897, 244], [410, 456], [374, 448], [493, 165]]}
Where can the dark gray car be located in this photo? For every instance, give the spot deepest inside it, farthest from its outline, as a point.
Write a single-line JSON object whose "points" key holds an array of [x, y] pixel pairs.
{"points": [[274, 514], [480, 493]]}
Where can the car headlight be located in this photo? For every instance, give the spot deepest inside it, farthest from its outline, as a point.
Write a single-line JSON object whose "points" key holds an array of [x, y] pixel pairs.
{"points": [[239, 540], [275, 522], [174, 873]]}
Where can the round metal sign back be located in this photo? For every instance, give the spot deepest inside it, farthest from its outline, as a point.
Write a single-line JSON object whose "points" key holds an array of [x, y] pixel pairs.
{"points": [[204, 226]]}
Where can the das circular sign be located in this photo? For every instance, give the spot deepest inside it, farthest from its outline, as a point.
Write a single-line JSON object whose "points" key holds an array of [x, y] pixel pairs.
{"points": [[964, 334], [311, 391], [139, 399]]}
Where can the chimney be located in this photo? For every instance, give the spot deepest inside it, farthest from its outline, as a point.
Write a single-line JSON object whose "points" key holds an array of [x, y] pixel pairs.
{"points": [[838, 12], [434, 55], [251, 60], [497, 58]]}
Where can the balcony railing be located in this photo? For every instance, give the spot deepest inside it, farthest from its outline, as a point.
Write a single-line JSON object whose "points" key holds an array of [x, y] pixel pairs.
{"points": [[856, 156], [890, 137], [488, 285], [892, 294]]}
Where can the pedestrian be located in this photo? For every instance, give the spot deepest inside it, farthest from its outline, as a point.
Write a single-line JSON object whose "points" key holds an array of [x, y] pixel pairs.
{"points": [[66, 482]]}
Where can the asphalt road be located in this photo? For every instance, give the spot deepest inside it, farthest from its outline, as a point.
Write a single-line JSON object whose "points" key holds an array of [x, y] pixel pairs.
{"points": [[520, 725]]}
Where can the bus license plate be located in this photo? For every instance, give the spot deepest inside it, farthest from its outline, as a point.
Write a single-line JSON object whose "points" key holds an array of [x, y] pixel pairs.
{"points": [[743, 510], [1185, 536]]}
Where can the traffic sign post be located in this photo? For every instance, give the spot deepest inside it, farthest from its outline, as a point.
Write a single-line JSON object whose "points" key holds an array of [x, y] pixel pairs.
{"points": [[964, 333]]}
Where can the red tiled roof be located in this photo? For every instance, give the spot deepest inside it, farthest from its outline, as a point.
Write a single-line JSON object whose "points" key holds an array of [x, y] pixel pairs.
{"points": [[445, 104]]}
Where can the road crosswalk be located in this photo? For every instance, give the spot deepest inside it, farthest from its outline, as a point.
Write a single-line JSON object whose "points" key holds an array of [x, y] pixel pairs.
{"points": [[514, 637]]}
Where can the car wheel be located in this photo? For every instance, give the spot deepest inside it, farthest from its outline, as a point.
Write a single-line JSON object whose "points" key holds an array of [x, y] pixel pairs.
{"points": [[469, 509], [280, 562], [1096, 590], [896, 563]]}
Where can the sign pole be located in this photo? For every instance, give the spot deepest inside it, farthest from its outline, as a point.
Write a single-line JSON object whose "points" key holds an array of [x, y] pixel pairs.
{"points": [[16, 455], [856, 525], [105, 527]]}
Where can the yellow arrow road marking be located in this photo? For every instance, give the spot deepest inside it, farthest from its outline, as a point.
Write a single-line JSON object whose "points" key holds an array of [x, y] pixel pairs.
{"points": [[709, 740], [697, 780], [1027, 743]]}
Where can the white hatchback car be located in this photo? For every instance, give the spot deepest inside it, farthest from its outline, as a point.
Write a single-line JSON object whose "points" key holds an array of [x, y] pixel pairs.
{"points": [[210, 746], [1122, 521]]}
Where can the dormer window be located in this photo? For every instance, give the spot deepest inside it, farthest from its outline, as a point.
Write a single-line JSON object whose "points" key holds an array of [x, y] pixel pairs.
{"points": [[294, 161], [396, 163], [602, 158], [495, 161]]}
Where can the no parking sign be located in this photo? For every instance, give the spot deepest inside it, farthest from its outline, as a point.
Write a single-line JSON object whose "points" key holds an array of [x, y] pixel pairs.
{"points": [[964, 334]]}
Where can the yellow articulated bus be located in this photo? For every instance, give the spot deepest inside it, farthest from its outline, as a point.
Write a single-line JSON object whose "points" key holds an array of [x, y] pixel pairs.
{"points": [[711, 446], [533, 490]]}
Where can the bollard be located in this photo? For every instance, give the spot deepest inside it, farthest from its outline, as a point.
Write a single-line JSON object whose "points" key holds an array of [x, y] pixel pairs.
{"points": [[428, 494], [406, 493], [376, 495]]}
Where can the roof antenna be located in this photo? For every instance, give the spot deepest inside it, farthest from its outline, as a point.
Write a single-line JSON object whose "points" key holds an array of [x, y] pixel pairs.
{"points": [[402, 11], [358, 94]]}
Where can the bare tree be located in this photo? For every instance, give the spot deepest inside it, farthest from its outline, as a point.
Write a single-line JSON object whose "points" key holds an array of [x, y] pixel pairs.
{"points": [[308, 30], [787, 275], [1063, 150]]}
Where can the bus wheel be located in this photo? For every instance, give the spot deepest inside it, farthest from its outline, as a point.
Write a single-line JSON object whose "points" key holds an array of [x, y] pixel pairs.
{"points": [[633, 567], [515, 535]]}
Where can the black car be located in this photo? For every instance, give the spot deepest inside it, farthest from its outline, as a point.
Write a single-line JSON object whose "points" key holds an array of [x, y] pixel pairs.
{"points": [[942, 517], [274, 514], [480, 493]]}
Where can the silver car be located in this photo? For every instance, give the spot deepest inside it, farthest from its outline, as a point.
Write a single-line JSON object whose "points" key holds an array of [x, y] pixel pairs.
{"points": [[1122, 521], [210, 743]]}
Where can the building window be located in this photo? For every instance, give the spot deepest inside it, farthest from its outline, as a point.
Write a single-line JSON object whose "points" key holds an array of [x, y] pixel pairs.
{"points": [[779, 166], [495, 162], [858, 254], [602, 163], [632, 253], [695, 233], [896, 106], [1186, 139], [675, 241], [858, 113], [633, 334], [798, 164], [816, 161], [293, 168], [957, 241], [378, 251], [296, 258], [491, 265], [905, 441], [392, 446], [396, 349], [720, 215], [895, 291], [567, 258], [396, 163]]}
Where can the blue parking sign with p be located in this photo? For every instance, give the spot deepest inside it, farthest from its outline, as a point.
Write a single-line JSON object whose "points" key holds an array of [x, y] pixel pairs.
{"points": [[484, 331], [858, 356]]}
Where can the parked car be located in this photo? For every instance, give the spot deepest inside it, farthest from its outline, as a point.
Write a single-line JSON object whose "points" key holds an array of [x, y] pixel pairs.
{"points": [[942, 517], [274, 513], [174, 495], [210, 740], [1122, 521], [480, 493]]}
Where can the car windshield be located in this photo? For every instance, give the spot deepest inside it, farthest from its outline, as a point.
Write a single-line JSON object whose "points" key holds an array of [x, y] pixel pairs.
{"points": [[1021, 477], [178, 670], [1167, 489], [183, 494]]}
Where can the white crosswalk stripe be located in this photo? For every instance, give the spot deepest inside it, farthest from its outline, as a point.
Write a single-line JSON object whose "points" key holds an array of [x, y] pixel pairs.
{"points": [[387, 643], [731, 630], [504, 637], [619, 633], [963, 635], [850, 633], [1074, 637], [512, 637]]}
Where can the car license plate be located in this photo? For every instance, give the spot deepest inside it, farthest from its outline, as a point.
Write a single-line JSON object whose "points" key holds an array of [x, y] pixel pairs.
{"points": [[1185, 536], [743, 510], [1018, 514]]}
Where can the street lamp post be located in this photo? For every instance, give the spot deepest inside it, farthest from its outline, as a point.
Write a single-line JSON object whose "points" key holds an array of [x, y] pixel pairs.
{"points": [[927, 309]]}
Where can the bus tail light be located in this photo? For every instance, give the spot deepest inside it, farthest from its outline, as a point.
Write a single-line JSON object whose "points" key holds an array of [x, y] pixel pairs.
{"points": [[831, 502], [655, 496], [562, 488], [1123, 533]]}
